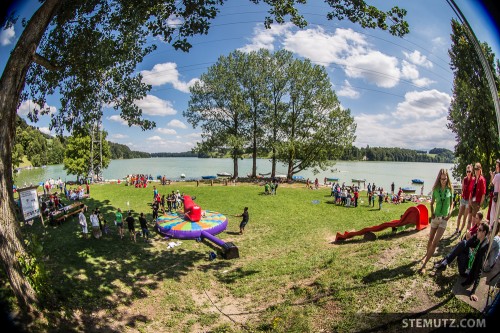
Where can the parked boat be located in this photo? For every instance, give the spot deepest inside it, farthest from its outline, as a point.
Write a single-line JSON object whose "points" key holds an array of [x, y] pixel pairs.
{"points": [[183, 176], [280, 176], [357, 180], [297, 177], [408, 190], [417, 181], [264, 174], [332, 179], [224, 174], [208, 177]]}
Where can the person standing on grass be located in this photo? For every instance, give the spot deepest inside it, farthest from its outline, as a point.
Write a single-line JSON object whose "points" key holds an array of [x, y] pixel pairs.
{"points": [[144, 227], [83, 223], [478, 194], [131, 228], [380, 199], [119, 222], [244, 221], [463, 211], [442, 195], [94, 220]]}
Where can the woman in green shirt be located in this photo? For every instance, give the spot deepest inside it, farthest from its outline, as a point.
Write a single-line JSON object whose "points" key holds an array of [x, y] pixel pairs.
{"points": [[442, 195], [119, 222]]}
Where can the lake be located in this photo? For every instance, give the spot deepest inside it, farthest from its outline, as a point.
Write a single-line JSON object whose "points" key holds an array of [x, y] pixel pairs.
{"points": [[382, 173]]}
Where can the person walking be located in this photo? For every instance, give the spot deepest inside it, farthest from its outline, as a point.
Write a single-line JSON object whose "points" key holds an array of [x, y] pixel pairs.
{"points": [[144, 227], [463, 211], [119, 222], [131, 228], [244, 221], [495, 180], [442, 195], [83, 223]]}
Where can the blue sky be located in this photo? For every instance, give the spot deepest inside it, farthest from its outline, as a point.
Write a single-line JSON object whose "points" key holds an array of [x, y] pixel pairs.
{"points": [[398, 89]]}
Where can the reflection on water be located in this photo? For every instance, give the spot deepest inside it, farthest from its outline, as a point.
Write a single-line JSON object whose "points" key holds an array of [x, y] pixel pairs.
{"points": [[382, 173]]}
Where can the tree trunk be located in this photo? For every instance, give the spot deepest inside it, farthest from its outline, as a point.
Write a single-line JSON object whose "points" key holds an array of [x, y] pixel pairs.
{"points": [[254, 149], [11, 85]]}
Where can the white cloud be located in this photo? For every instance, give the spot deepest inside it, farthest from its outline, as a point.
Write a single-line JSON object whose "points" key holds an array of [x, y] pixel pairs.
{"points": [[176, 123], [174, 21], [418, 59], [423, 104], [409, 71], [7, 36], [154, 138], [154, 106], [374, 67], [45, 130], [410, 134], [167, 131], [118, 136], [325, 48], [27, 106], [194, 136], [118, 119], [348, 91], [264, 38], [167, 73]]}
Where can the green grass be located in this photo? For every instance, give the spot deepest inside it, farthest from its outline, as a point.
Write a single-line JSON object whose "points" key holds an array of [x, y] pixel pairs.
{"points": [[289, 277]]}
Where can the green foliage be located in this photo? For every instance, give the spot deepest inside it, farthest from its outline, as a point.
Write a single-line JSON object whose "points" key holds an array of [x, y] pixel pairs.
{"points": [[472, 115], [31, 264], [119, 151], [436, 155], [78, 153], [242, 101]]}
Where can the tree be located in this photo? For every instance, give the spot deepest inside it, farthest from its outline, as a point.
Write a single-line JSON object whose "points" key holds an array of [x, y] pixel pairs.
{"points": [[278, 86], [89, 55], [471, 114], [77, 155], [218, 104], [315, 127]]}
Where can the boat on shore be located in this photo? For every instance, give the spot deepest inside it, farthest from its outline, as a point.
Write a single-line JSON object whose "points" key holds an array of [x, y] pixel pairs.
{"points": [[408, 190], [280, 176], [208, 177], [297, 177], [332, 179], [417, 181], [183, 176], [358, 180], [224, 174], [264, 174]]}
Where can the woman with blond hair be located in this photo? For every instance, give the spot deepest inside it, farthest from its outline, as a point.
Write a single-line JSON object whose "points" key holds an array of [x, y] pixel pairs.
{"points": [[467, 184], [442, 195]]}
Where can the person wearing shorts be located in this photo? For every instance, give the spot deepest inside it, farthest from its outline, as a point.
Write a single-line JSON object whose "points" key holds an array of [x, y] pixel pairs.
{"points": [[119, 222], [463, 211], [131, 228], [442, 197], [244, 221], [144, 227], [478, 193]]}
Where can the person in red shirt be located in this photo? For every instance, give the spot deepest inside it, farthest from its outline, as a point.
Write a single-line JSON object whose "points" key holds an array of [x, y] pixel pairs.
{"points": [[467, 185], [478, 193]]}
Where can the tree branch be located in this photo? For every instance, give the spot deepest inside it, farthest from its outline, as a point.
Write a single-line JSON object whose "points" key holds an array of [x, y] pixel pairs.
{"points": [[44, 62]]}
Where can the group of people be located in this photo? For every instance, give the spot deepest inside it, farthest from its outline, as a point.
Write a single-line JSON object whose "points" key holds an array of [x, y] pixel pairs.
{"points": [[473, 252], [138, 180], [271, 188], [344, 195], [100, 226]]}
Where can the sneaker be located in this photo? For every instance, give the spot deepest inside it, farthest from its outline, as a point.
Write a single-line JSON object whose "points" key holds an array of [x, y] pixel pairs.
{"points": [[441, 267]]}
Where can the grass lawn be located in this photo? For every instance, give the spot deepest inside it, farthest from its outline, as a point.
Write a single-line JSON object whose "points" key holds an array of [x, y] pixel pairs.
{"points": [[289, 277]]}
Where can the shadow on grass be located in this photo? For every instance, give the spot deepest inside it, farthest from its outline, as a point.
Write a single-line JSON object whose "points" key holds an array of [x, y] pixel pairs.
{"points": [[88, 276], [235, 275]]}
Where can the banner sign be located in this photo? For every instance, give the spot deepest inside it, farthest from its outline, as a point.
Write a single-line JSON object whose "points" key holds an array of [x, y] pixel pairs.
{"points": [[29, 203]]}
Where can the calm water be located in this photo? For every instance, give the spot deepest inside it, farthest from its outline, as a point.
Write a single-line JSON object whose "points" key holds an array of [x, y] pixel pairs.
{"points": [[382, 173]]}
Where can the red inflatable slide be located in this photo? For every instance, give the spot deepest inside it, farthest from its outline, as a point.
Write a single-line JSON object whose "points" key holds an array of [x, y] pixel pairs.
{"points": [[418, 215], [191, 210]]}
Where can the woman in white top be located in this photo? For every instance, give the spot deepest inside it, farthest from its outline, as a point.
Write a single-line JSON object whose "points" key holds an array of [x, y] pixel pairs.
{"points": [[94, 220]]}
